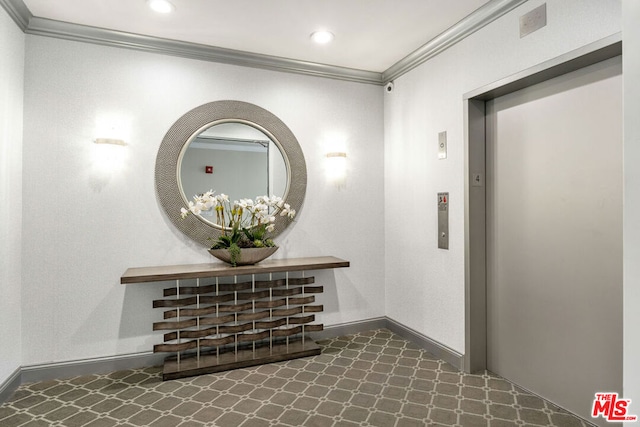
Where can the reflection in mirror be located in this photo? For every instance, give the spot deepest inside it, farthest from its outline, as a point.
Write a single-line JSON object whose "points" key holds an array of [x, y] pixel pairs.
{"points": [[244, 163], [286, 174]]}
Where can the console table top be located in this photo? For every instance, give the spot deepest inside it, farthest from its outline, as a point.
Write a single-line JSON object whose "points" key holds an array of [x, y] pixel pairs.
{"points": [[194, 271]]}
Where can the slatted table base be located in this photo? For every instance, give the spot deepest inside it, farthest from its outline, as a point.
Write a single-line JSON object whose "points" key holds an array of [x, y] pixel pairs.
{"points": [[210, 363], [225, 326]]}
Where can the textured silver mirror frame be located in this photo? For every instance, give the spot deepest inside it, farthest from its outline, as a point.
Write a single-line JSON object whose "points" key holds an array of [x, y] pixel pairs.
{"points": [[181, 133]]}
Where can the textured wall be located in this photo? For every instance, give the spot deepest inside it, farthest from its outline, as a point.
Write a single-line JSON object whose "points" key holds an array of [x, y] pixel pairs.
{"points": [[631, 213], [86, 223], [11, 103], [425, 285]]}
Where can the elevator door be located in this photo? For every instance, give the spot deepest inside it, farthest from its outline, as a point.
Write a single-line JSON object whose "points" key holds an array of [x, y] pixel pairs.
{"points": [[554, 236]]}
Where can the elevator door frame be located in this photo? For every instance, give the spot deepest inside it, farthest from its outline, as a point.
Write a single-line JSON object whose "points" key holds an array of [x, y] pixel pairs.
{"points": [[475, 357]]}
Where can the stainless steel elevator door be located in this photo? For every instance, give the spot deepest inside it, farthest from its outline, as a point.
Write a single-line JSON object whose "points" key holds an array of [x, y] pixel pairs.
{"points": [[554, 236]]}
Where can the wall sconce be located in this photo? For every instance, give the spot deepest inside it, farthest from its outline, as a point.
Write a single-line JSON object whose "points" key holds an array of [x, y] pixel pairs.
{"points": [[107, 155], [336, 154], [110, 135], [336, 166], [111, 141]]}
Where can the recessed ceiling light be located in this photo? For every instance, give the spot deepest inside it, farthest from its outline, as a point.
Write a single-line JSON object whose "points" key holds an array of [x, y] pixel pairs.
{"points": [[322, 37], [161, 6]]}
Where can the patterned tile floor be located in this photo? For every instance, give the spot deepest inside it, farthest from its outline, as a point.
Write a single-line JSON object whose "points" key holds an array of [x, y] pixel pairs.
{"points": [[374, 378]]}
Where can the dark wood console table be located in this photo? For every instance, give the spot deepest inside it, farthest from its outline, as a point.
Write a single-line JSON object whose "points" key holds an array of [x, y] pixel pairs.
{"points": [[232, 317]]}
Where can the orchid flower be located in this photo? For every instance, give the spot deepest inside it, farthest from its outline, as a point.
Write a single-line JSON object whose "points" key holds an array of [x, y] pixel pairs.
{"points": [[244, 222]]}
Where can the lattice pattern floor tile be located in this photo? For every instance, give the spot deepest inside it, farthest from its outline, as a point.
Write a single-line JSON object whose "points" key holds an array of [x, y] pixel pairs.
{"points": [[373, 378]]}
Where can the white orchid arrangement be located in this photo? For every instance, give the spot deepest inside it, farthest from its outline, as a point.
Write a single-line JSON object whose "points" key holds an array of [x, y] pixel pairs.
{"points": [[245, 222]]}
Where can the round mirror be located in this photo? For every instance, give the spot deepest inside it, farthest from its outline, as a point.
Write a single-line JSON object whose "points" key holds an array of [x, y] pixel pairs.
{"points": [[234, 148]]}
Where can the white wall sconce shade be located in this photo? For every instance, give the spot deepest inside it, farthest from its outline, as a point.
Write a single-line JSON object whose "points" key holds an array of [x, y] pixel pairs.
{"points": [[111, 141], [336, 167], [336, 154], [108, 157]]}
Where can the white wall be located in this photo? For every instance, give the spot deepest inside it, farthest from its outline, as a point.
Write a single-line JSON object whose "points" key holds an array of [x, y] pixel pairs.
{"points": [[11, 103], [84, 226], [424, 284], [631, 213]]}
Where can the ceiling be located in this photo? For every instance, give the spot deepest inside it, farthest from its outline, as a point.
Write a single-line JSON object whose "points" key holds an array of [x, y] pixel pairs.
{"points": [[370, 35]]}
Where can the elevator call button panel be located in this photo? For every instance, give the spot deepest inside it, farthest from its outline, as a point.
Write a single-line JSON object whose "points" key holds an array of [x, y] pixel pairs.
{"points": [[443, 220]]}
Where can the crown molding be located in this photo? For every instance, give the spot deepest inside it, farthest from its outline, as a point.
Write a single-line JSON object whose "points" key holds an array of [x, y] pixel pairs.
{"points": [[464, 28], [18, 11], [30, 24], [105, 37]]}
